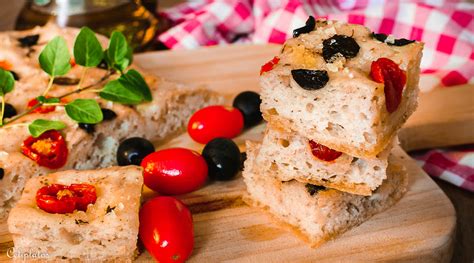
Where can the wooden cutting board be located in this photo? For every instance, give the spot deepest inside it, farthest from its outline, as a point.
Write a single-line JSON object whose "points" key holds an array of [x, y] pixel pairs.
{"points": [[420, 227]]}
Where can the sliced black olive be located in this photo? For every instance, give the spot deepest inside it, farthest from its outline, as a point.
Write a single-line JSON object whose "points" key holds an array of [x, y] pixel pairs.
{"points": [[310, 79], [223, 158], [89, 128], [2, 173], [308, 27], [133, 150], [10, 111], [15, 75], [248, 102], [108, 114], [29, 41], [65, 81], [344, 45], [397, 42], [313, 189]]}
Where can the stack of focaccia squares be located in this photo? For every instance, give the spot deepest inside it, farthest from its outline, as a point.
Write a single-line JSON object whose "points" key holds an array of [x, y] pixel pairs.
{"points": [[334, 99]]}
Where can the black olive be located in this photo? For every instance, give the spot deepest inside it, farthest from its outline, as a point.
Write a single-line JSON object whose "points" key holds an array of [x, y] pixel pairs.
{"points": [[308, 27], [223, 158], [15, 75], [344, 45], [248, 102], [397, 42], [108, 114], [29, 41], [10, 111], [2, 173], [89, 128], [310, 79], [65, 81], [313, 189], [133, 150]]}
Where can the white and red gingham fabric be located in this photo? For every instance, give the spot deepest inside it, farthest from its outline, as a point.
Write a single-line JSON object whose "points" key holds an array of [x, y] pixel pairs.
{"points": [[445, 26]]}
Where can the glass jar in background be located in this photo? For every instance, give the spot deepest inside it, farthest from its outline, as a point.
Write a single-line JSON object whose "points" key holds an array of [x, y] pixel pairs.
{"points": [[130, 17]]}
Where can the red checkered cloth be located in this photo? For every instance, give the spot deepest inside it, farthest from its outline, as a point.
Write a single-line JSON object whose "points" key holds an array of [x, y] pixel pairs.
{"points": [[446, 28]]}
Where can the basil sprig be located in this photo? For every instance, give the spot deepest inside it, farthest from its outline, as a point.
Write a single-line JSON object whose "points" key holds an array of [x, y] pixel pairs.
{"points": [[130, 88], [7, 82], [40, 126]]}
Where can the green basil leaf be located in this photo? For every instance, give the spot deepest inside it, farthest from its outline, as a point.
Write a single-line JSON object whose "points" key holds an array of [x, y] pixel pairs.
{"points": [[117, 53], [84, 111], [55, 58], [133, 80], [87, 48], [7, 82], [45, 100], [115, 91], [130, 54], [40, 126]]}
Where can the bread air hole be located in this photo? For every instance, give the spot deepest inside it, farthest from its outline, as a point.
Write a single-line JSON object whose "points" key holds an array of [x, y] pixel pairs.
{"points": [[363, 116], [71, 238], [368, 137], [377, 168], [309, 165], [284, 143]]}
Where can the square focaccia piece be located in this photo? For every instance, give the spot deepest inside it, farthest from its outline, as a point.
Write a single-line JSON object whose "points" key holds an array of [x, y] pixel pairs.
{"points": [[317, 214], [342, 86], [107, 230], [293, 157]]}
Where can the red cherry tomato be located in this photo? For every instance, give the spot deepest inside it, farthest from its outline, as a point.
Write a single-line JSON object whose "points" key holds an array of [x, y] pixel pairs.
{"points": [[386, 71], [42, 109], [269, 65], [166, 229], [48, 150], [215, 122], [322, 152], [62, 199], [174, 171]]}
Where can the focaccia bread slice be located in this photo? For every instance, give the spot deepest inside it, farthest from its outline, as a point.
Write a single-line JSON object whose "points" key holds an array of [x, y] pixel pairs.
{"points": [[107, 231], [317, 214], [349, 113], [290, 157], [159, 120]]}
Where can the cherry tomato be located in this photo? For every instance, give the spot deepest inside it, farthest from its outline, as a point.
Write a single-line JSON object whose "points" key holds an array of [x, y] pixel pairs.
{"points": [[42, 109], [322, 152], [4, 64], [174, 171], [215, 121], [384, 70], [48, 150], [62, 199], [269, 65], [166, 229]]}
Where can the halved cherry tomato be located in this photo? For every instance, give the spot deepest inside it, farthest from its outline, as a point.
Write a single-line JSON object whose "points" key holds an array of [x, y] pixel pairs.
{"points": [[269, 65], [322, 152], [166, 229], [42, 109], [48, 150], [384, 70], [62, 199], [174, 171], [215, 122]]}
